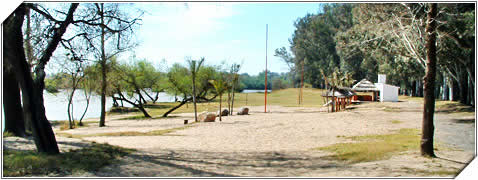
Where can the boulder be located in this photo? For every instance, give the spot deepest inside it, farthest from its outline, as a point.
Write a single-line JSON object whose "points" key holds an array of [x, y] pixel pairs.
{"points": [[207, 117], [243, 111], [225, 112]]}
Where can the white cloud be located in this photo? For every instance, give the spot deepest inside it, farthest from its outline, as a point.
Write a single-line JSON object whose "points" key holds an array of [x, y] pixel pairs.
{"points": [[184, 21]]}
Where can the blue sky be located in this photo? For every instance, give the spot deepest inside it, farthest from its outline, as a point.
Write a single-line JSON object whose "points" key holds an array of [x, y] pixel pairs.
{"points": [[231, 32]]}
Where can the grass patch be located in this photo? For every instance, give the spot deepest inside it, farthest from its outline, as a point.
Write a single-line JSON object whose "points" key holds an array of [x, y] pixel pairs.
{"points": [[374, 147], [443, 106], [30, 163], [136, 117], [392, 109], [442, 172], [396, 122], [453, 107], [129, 133], [8, 134], [65, 125]]}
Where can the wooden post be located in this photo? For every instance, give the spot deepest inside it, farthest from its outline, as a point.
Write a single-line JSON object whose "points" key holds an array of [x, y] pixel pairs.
{"points": [[338, 105]]}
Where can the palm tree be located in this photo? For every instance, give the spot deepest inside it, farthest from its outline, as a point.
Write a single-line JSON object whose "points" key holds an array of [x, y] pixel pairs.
{"points": [[220, 87], [234, 70], [194, 68]]}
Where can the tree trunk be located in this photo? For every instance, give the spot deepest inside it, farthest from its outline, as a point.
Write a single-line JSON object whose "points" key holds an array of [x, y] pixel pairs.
{"points": [[103, 70], [139, 106], [229, 101], [184, 101], [87, 96], [32, 90], [220, 106], [426, 146], [232, 102], [451, 97], [445, 88], [70, 108], [14, 120], [194, 98]]}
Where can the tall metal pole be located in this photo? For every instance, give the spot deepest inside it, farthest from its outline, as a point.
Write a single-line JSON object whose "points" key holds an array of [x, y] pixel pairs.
{"points": [[265, 92]]}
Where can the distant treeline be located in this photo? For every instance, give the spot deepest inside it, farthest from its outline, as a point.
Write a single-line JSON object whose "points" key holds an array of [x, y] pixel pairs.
{"points": [[275, 81]]}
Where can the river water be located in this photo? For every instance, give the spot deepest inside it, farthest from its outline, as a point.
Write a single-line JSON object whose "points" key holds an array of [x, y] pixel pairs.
{"points": [[56, 104]]}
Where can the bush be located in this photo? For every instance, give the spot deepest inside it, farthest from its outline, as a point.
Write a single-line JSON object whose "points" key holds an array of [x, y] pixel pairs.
{"points": [[51, 86]]}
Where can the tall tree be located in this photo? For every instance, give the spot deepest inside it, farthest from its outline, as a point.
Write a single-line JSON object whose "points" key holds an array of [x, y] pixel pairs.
{"points": [[32, 86], [235, 79], [193, 69], [14, 120], [220, 87], [179, 82], [429, 83], [106, 29]]}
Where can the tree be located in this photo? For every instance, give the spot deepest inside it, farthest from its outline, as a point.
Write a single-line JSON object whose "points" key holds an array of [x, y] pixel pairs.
{"points": [[314, 40], [429, 83], [14, 120], [106, 30], [74, 72], [220, 86], [131, 80], [89, 85], [235, 79], [179, 82], [193, 69], [32, 86]]}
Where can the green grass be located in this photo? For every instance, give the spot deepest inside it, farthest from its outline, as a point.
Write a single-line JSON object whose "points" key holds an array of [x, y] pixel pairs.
{"points": [[129, 133], [8, 134], [392, 109], [64, 124], [396, 122], [443, 106], [374, 147], [30, 163]]}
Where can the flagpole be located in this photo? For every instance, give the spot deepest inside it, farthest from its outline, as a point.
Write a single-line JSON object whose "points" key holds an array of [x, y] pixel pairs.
{"points": [[265, 92]]}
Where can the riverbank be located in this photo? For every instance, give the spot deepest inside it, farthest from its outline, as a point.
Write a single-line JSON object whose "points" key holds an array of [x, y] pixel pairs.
{"points": [[286, 141]]}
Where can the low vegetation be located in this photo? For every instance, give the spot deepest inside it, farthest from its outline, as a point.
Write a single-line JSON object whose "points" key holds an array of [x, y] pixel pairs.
{"points": [[8, 134], [374, 147], [89, 159], [395, 121], [451, 107], [160, 132]]}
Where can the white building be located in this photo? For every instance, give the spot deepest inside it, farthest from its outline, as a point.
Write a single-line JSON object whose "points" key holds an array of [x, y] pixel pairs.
{"points": [[388, 93]]}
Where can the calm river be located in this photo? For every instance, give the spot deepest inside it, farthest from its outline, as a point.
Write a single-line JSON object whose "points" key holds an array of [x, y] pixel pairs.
{"points": [[56, 104]]}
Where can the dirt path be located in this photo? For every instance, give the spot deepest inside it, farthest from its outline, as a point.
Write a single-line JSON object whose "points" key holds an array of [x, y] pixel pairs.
{"points": [[281, 143]]}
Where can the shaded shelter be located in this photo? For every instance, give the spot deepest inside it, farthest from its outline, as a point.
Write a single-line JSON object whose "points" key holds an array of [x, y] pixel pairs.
{"points": [[365, 86], [342, 96]]}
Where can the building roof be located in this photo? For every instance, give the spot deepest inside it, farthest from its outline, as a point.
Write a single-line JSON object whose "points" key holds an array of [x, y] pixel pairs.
{"points": [[365, 86], [340, 92]]}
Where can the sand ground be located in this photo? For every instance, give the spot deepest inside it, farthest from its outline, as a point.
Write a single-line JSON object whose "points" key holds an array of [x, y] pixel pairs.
{"points": [[278, 143]]}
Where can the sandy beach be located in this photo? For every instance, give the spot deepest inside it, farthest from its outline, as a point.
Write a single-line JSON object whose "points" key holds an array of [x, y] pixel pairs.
{"points": [[281, 142]]}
